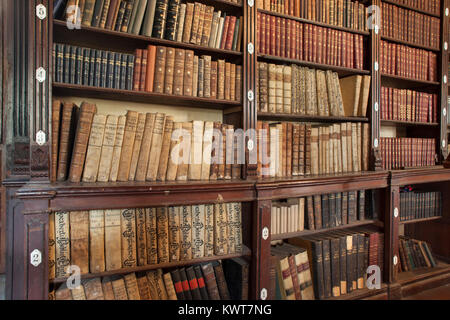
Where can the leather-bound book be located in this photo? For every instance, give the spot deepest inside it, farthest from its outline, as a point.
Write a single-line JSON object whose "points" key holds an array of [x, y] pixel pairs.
{"points": [[117, 151], [160, 69], [144, 150], [361, 205], [207, 146], [220, 31], [365, 146], [168, 283], [200, 82], [201, 283], [62, 239], [193, 284], [56, 126], [178, 78], [169, 71], [180, 23], [93, 289], [174, 216], [157, 140], [127, 145], [201, 22], [233, 82], [162, 221], [165, 156], [150, 71], [220, 227], [230, 33], [214, 29], [195, 75], [221, 79], [361, 264], [159, 22], [186, 233], [189, 16], [128, 230], [196, 156], [196, 14], [177, 284], [315, 151], [352, 206], [132, 286], [184, 156], [96, 241], [119, 288], [63, 293], [141, 237], [108, 292], [185, 284], [355, 160], [87, 13], [137, 146], [206, 76], [221, 281], [79, 240], [66, 139], [107, 150], [279, 108], [113, 258], [147, 26], [94, 148], [78, 293], [237, 273], [51, 246], [143, 76], [120, 15], [173, 158], [211, 283], [209, 231], [151, 235], [171, 20], [207, 25], [288, 149], [188, 79], [198, 231], [143, 287], [216, 152]]}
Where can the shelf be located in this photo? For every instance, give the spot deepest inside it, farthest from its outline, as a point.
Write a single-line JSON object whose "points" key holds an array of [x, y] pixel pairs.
{"points": [[342, 71], [419, 175], [100, 38], [74, 90], [309, 232], [408, 277], [410, 44], [408, 82], [407, 123], [420, 220], [298, 117], [246, 252], [363, 293], [321, 24], [411, 8]]}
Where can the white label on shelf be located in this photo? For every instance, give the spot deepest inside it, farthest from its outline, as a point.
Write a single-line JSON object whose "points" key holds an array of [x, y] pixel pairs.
{"points": [[265, 233], [250, 48], [41, 137], [375, 143], [36, 258], [250, 3], [396, 213], [445, 79], [377, 29], [263, 294], [446, 45], [444, 112], [395, 260], [41, 11], [375, 106], [250, 145], [443, 144], [40, 74], [250, 95], [375, 66], [446, 12]]}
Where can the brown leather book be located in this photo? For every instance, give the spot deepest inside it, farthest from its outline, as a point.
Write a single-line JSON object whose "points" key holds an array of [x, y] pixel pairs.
{"points": [[238, 90], [79, 240], [172, 166], [150, 74], [195, 75], [200, 77], [188, 73], [155, 151], [143, 76], [137, 70], [221, 281], [206, 76], [96, 241], [165, 156], [119, 288], [230, 33], [56, 126], [198, 7], [141, 237], [146, 144], [211, 283], [215, 153], [201, 22], [221, 79], [127, 146], [132, 286], [151, 229], [207, 26], [93, 289], [160, 69], [169, 71], [108, 292], [128, 231], [87, 112], [107, 152], [66, 139], [144, 290], [227, 90], [188, 23], [233, 82], [289, 149], [117, 151], [112, 14], [137, 146], [178, 78], [171, 294], [113, 240], [94, 150]]}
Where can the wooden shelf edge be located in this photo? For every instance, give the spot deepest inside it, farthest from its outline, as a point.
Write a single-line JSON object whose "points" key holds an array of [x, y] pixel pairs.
{"points": [[309, 232], [409, 80], [420, 220], [419, 175], [317, 23], [408, 123], [288, 116], [410, 44], [412, 8], [409, 277], [246, 252], [362, 293]]}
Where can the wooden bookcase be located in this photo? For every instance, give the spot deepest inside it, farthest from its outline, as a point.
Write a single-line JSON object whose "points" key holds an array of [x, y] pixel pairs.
{"points": [[30, 197]]}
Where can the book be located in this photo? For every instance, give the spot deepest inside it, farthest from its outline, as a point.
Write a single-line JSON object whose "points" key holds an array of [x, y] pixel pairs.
{"points": [[94, 149], [137, 146], [66, 139], [113, 258], [127, 146], [157, 137], [128, 231], [62, 243], [79, 240]]}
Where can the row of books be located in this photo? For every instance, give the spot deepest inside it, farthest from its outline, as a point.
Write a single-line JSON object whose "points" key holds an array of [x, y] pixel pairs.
{"points": [[295, 149], [91, 67], [404, 61], [300, 90], [180, 72], [220, 280], [419, 205], [292, 39], [92, 147], [432, 6], [415, 254], [342, 13], [408, 105], [399, 153], [401, 24], [320, 211], [108, 240], [338, 259]]}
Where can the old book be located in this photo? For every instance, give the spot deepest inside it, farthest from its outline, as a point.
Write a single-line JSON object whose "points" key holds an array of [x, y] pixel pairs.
{"points": [[176, 279], [198, 231], [108, 292], [201, 23], [220, 227], [186, 233], [159, 283], [143, 286], [127, 145], [174, 217], [78, 293], [171, 20], [221, 79], [364, 100], [93, 289], [237, 275], [128, 231], [209, 231], [79, 240], [132, 286], [141, 237], [201, 283], [107, 151], [180, 22], [137, 146], [152, 236], [365, 147], [229, 150], [151, 64], [137, 17], [351, 93], [165, 149], [160, 18], [94, 148], [147, 26], [355, 159], [62, 249], [168, 282], [196, 155], [184, 153], [189, 16], [193, 283], [51, 246], [87, 112], [197, 13], [157, 137], [207, 25], [188, 80], [207, 149], [66, 138], [185, 284], [160, 69], [145, 147], [195, 76], [56, 125], [169, 71], [119, 288], [113, 240], [315, 151], [221, 281], [172, 165], [179, 71], [96, 241], [117, 151], [162, 221], [206, 76], [211, 283], [63, 293]]}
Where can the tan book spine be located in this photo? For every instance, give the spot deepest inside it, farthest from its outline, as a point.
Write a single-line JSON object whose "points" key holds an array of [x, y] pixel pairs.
{"points": [[179, 67], [108, 292], [94, 148], [93, 289], [51, 246], [355, 159], [237, 227], [62, 250], [207, 150], [127, 146], [117, 152], [141, 237], [196, 21], [287, 89], [132, 286], [169, 72], [272, 88], [337, 129], [206, 76], [344, 147], [113, 240], [231, 238], [238, 83], [159, 289], [223, 153], [168, 283], [146, 145], [233, 82], [172, 165], [155, 151], [81, 141], [358, 137], [365, 147], [209, 230], [198, 231], [195, 76], [180, 22], [174, 215], [128, 230], [162, 221], [201, 24], [165, 149], [56, 125], [315, 151], [221, 79], [79, 240], [119, 289], [220, 228], [137, 146], [63, 293], [97, 241], [152, 236], [227, 90], [208, 20], [349, 148], [279, 161], [185, 152], [188, 21], [104, 168], [78, 293], [152, 285], [144, 290], [196, 156], [186, 233]]}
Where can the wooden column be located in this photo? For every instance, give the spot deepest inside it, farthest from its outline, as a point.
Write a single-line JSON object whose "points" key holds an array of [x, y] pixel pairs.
{"points": [[443, 143], [392, 218]]}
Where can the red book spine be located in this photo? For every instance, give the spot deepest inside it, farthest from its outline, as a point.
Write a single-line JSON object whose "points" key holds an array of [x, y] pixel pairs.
{"points": [[299, 41], [259, 32], [282, 36], [294, 36], [230, 33], [225, 32], [288, 38], [272, 28], [278, 37]]}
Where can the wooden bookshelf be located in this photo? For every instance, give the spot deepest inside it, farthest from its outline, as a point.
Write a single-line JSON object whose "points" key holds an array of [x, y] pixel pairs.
{"points": [[410, 44], [412, 8], [298, 117], [420, 220], [412, 83], [408, 123]]}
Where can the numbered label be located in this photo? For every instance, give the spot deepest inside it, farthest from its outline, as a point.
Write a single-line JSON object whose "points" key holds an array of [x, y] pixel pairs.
{"points": [[443, 144], [445, 79], [446, 12], [396, 213], [444, 112], [375, 106], [250, 48], [41, 138], [263, 294], [375, 66], [446, 45], [36, 258], [250, 145], [40, 75], [41, 11], [375, 143], [265, 233], [377, 29], [250, 3], [250, 95], [395, 260]]}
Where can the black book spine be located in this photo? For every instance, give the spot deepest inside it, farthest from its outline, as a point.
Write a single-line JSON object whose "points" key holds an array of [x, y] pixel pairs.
{"points": [[317, 265], [86, 65], [177, 284], [117, 65], [201, 283], [185, 284], [54, 54], [332, 209], [351, 206], [92, 67], [193, 284], [110, 71], [335, 267], [123, 71], [159, 22], [361, 205], [361, 261], [326, 253], [354, 259], [338, 209], [60, 63], [344, 208], [73, 61], [343, 263], [171, 21], [127, 15], [66, 73], [98, 9], [325, 212], [104, 69], [98, 68], [120, 15], [130, 72], [318, 220], [79, 66]]}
